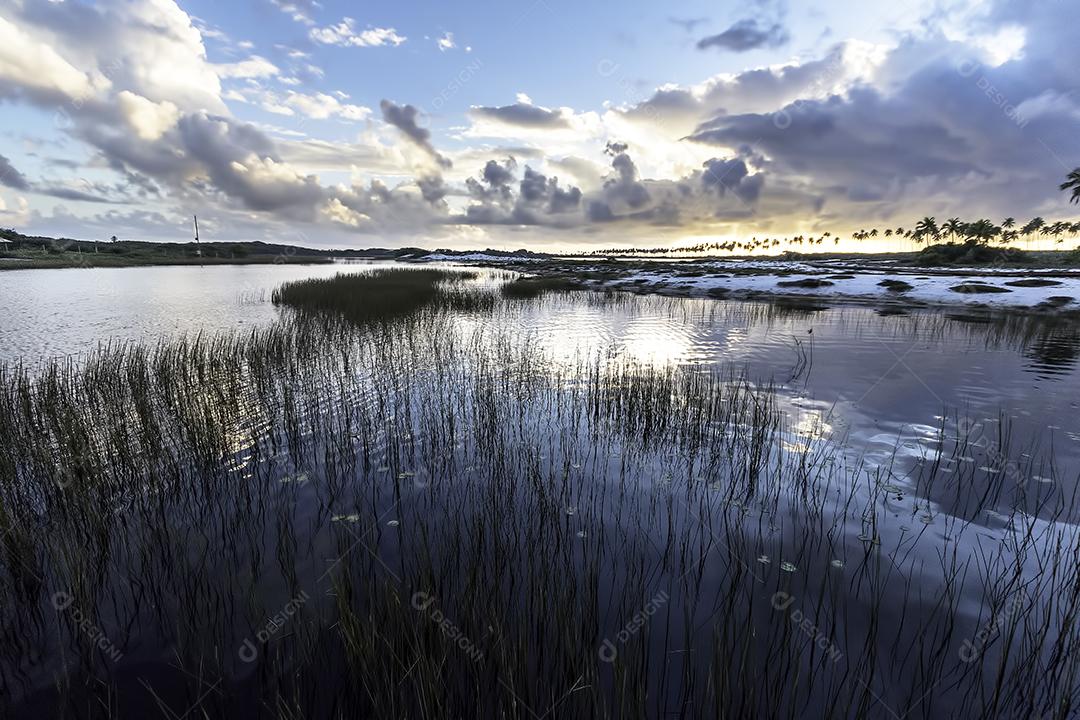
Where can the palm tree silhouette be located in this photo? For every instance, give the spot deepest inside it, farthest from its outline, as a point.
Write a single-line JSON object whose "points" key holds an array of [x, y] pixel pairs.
{"points": [[926, 226], [982, 231], [1073, 183], [953, 226]]}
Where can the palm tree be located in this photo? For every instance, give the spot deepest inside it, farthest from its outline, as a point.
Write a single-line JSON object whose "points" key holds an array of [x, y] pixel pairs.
{"points": [[1057, 229], [953, 226], [926, 227], [1072, 182], [1035, 225], [982, 231]]}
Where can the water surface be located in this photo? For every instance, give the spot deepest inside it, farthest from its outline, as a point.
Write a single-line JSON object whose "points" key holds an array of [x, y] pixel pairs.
{"points": [[439, 461]]}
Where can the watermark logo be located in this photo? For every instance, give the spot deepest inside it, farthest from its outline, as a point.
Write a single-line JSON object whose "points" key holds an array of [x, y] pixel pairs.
{"points": [[609, 649], [968, 68], [972, 649], [249, 649], [425, 603], [64, 602], [782, 601]]}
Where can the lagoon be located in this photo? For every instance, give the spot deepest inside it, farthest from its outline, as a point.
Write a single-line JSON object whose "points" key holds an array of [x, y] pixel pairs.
{"points": [[613, 503]]}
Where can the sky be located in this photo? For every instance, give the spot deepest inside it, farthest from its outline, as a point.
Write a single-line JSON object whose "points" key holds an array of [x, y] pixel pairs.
{"points": [[540, 124]]}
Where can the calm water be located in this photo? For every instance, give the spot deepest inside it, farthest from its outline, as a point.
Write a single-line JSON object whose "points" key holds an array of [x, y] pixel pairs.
{"points": [[50, 313], [883, 393], [876, 377]]}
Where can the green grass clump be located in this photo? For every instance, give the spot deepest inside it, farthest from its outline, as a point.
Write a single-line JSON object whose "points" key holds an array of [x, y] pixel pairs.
{"points": [[382, 294]]}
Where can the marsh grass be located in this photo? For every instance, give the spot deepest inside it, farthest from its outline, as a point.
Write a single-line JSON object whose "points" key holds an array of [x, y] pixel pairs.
{"points": [[534, 287], [382, 294], [183, 493]]}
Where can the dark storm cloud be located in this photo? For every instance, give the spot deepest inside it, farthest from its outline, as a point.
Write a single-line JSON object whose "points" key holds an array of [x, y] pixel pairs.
{"points": [[563, 201], [745, 35], [625, 187], [522, 115], [945, 130], [10, 177], [243, 163], [599, 211], [432, 188], [731, 175], [403, 117], [848, 142], [538, 200], [679, 110], [497, 174]]}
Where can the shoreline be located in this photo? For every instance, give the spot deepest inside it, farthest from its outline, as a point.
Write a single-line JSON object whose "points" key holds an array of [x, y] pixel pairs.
{"points": [[815, 284], [130, 262]]}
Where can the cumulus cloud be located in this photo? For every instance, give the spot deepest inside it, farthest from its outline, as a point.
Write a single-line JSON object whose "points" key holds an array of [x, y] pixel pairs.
{"points": [[31, 68], [346, 35], [403, 117], [536, 200], [624, 187], [732, 175]]}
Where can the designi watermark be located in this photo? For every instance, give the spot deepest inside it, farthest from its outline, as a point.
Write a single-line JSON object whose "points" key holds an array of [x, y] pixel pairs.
{"points": [[65, 603], [782, 601], [425, 603], [609, 650], [972, 649], [249, 651]]}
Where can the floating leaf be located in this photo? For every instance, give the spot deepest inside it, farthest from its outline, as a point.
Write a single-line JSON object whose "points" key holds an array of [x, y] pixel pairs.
{"points": [[345, 518]]}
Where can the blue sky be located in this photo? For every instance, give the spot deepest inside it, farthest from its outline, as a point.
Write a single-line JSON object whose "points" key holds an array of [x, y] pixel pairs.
{"points": [[542, 124]]}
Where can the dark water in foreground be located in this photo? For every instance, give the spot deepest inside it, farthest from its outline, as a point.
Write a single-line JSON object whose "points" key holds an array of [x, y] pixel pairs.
{"points": [[629, 506]]}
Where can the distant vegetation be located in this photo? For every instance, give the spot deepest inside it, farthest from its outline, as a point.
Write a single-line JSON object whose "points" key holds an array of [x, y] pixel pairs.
{"points": [[955, 230], [26, 251]]}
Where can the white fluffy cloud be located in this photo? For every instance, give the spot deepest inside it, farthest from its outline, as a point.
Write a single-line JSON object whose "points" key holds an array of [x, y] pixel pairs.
{"points": [[253, 67], [148, 119], [30, 66], [345, 34]]}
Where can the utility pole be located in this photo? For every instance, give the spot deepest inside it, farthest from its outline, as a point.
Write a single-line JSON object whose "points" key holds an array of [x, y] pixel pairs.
{"points": [[198, 248]]}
